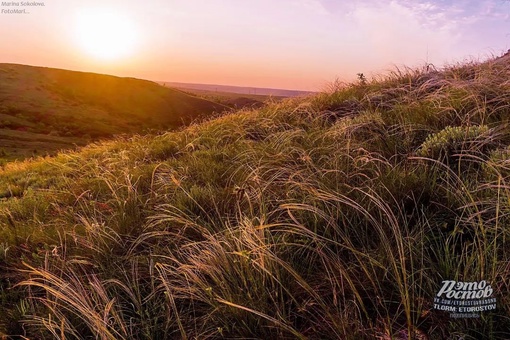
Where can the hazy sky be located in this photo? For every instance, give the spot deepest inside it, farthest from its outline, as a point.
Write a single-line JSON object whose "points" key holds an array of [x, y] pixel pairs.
{"points": [[297, 44]]}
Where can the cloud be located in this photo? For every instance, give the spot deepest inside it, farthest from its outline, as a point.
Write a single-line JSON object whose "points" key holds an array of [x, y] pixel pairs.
{"points": [[404, 33], [411, 32]]}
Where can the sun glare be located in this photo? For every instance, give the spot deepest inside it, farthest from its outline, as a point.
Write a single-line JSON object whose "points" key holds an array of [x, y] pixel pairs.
{"points": [[105, 34]]}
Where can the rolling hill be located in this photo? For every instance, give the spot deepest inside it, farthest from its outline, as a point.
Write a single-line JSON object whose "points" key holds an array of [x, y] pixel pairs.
{"points": [[335, 216], [45, 109]]}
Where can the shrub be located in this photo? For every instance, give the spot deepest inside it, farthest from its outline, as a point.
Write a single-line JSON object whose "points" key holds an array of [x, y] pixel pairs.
{"points": [[450, 141]]}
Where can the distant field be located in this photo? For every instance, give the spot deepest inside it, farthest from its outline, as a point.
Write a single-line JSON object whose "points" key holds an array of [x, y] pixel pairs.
{"points": [[234, 100], [22, 144], [43, 110], [258, 91], [236, 97]]}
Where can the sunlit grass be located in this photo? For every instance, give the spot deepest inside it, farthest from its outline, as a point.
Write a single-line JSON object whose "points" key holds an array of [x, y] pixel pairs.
{"points": [[333, 216]]}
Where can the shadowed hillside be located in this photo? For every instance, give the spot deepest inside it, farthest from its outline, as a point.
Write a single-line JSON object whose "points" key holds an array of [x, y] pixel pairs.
{"points": [[335, 216], [45, 109]]}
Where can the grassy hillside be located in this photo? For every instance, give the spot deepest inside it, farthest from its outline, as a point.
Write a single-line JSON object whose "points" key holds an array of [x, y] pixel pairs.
{"points": [[330, 217], [39, 104]]}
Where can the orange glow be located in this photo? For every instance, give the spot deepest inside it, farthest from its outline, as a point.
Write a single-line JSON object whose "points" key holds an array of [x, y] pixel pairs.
{"points": [[293, 44]]}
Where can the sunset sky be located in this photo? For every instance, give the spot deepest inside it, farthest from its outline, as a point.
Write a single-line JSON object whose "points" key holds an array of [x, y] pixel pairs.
{"points": [[294, 44]]}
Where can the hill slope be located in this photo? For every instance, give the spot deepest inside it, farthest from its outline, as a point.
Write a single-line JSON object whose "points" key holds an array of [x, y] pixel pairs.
{"points": [[331, 217], [47, 109]]}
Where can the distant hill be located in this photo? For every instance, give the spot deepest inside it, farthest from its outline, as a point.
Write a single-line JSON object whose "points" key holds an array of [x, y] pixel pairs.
{"points": [[237, 89], [45, 109]]}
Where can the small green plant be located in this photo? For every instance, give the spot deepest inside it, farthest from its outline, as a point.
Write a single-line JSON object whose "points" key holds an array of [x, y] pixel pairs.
{"points": [[452, 140]]}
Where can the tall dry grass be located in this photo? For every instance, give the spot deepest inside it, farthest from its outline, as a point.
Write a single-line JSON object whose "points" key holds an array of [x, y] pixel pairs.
{"points": [[329, 217]]}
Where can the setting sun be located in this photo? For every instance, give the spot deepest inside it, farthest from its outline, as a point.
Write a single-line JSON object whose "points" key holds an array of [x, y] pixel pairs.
{"points": [[105, 35]]}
